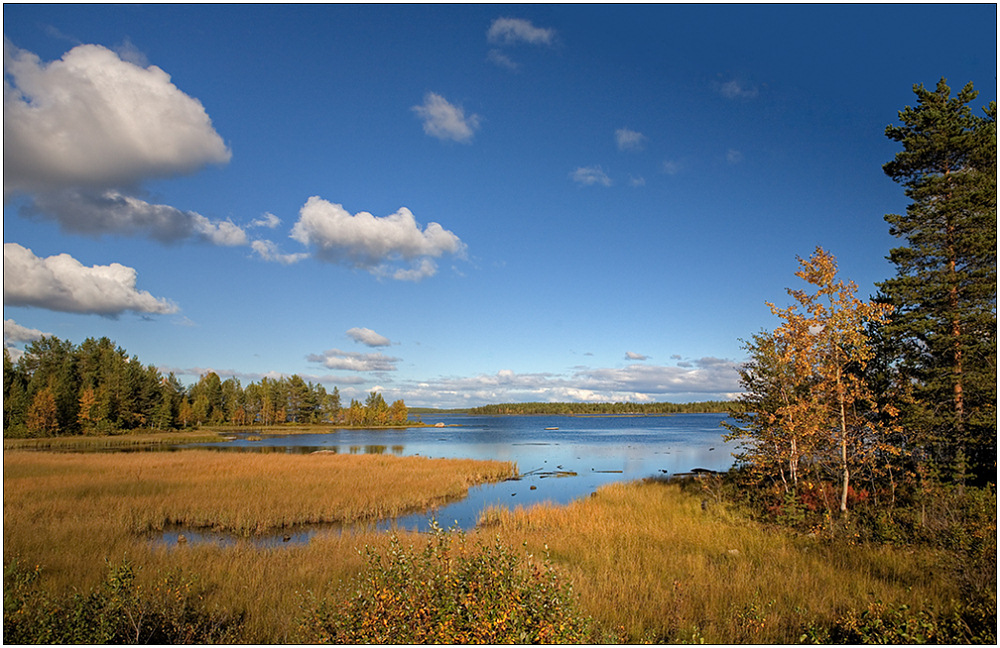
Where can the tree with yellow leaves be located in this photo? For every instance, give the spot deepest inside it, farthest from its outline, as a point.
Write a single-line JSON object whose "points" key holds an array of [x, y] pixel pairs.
{"points": [[806, 402]]}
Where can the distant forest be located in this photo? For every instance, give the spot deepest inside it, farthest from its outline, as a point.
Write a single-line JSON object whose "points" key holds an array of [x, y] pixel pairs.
{"points": [[606, 409], [56, 388]]}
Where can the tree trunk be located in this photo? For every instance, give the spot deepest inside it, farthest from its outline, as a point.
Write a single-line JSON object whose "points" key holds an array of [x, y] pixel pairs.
{"points": [[843, 444]]}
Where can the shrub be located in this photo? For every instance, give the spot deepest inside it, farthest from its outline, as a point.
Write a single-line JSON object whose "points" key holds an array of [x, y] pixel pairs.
{"points": [[117, 612], [452, 591], [882, 624]]}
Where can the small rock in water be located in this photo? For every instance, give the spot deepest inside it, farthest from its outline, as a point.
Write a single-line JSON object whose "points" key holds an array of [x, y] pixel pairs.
{"points": [[181, 539], [534, 488]]}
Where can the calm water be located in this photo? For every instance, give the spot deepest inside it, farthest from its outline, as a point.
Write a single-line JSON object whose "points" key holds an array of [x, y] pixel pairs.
{"points": [[598, 450]]}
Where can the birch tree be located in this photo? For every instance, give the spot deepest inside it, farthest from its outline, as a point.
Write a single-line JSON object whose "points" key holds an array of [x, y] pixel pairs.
{"points": [[806, 398]]}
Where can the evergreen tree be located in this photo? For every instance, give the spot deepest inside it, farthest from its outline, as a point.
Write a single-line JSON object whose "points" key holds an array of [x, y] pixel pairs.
{"points": [[943, 332]]}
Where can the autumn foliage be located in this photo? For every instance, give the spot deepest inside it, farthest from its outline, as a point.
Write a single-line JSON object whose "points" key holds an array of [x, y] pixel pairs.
{"points": [[453, 591]]}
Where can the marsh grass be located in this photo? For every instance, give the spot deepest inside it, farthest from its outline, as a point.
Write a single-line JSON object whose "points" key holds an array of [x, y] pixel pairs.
{"points": [[647, 561], [657, 563], [112, 442], [70, 513]]}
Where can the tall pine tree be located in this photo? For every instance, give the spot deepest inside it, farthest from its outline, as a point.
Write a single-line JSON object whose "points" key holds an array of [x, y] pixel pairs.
{"points": [[944, 292]]}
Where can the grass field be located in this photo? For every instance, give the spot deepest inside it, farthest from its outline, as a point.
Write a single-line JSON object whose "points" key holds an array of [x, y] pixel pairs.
{"points": [[647, 561], [115, 442]]}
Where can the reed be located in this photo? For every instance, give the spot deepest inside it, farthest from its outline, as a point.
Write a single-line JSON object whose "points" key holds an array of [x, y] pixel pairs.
{"points": [[71, 512], [112, 442], [648, 561], [651, 561]]}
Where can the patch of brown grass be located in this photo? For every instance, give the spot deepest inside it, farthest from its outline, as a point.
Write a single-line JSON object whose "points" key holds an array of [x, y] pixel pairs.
{"points": [[71, 513], [650, 561]]}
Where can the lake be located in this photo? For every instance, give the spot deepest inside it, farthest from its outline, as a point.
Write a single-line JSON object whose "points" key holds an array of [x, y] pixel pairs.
{"points": [[560, 458]]}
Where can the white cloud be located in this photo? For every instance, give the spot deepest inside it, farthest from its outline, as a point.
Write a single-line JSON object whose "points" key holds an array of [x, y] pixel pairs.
{"points": [[704, 379], [733, 156], [94, 120], [418, 271], [629, 140], [268, 220], [591, 176], [631, 355], [502, 60], [368, 337], [252, 376], [15, 333], [353, 361], [518, 30], [637, 181], [112, 212], [736, 90], [61, 283], [445, 120], [268, 251], [671, 167], [83, 133], [373, 243]]}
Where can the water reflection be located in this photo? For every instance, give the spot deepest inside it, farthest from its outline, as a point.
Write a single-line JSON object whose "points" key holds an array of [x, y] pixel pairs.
{"points": [[556, 465]]}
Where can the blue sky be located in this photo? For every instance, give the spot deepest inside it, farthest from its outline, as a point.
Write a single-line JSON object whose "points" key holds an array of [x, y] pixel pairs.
{"points": [[454, 205]]}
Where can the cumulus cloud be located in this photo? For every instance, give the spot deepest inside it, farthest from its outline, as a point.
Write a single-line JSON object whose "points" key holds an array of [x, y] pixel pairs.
{"points": [[629, 140], [256, 376], [96, 213], [354, 361], [268, 251], [446, 121], [268, 220], [61, 283], [707, 376], [368, 337], [94, 120], [735, 89], [14, 333], [631, 355], [81, 135], [594, 175], [704, 379], [373, 243], [517, 30]]}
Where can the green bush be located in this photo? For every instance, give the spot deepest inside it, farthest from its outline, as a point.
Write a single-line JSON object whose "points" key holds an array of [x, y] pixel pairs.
{"points": [[452, 591], [118, 612], [880, 624]]}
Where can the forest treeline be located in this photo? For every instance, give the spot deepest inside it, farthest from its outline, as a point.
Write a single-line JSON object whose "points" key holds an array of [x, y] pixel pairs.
{"points": [[56, 388], [596, 409], [851, 399]]}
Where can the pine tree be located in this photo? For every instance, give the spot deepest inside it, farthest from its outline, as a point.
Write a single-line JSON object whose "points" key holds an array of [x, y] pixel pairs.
{"points": [[943, 331]]}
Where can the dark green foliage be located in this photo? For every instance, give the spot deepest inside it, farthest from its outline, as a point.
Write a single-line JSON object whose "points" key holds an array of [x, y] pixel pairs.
{"points": [[57, 389], [172, 611], [449, 592], [942, 338], [598, 409]]}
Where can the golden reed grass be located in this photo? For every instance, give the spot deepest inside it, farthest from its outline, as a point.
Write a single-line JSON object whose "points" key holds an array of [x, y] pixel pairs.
{"points": [[647, 559], [71, 513], [650, 560]]}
